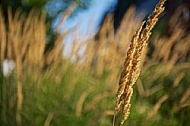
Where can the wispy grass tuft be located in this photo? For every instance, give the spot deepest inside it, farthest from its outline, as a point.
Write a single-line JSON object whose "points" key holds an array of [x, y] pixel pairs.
{"points": [[79, 89], [133, 61]]}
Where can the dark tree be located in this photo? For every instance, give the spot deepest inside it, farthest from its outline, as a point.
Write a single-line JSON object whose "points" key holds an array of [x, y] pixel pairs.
{"points": [[148, 6], [121, 9]]}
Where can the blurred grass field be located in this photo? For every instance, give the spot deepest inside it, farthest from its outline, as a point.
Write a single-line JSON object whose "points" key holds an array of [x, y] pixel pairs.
{"points": [[48, 89]]}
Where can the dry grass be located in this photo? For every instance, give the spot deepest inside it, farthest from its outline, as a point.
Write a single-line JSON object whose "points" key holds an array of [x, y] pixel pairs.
{"points": [[98, 51], [133, 61], [25, 40]]}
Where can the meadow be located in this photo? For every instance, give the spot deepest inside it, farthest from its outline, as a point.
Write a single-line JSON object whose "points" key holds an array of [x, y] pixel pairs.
{"points": [[47, 88]]}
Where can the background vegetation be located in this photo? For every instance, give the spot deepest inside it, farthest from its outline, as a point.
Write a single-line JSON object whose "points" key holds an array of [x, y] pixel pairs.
{"points": [[79, 90]]}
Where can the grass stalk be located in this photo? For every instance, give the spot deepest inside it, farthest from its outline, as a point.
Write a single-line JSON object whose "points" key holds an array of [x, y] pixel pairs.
{"points": [[132, 63]]}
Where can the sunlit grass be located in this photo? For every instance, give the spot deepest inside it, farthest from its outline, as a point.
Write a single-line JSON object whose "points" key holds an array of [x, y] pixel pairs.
{"points": [[60, 91]]}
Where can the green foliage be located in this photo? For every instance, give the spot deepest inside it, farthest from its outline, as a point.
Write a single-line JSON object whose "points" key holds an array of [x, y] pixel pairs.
{"points": [[35, 3], [59, 91]]}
